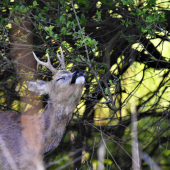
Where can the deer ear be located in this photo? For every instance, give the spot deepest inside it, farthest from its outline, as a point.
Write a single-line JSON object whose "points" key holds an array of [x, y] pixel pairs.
{"points": [[39, 87]]}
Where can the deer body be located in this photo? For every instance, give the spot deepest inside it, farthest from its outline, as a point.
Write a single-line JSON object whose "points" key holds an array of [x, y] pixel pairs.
{"points": [[64, 92]]}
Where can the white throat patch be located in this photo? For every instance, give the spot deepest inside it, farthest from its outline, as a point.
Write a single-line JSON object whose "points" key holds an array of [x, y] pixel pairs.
{"points": [[80, 80]]}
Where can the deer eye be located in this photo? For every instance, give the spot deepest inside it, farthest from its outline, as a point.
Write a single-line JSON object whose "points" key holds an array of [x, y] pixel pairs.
{"points": [[61, 78]]}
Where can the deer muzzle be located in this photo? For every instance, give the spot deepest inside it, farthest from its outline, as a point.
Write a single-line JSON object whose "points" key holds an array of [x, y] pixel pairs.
{"points": [[78, 77]]}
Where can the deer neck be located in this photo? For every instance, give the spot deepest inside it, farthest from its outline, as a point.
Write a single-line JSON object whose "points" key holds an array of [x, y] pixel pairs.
{"points": [[55, 121], [56, 116]]}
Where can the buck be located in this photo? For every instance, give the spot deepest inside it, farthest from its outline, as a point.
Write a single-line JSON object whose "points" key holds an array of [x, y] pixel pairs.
{"points": [[17, 149]]}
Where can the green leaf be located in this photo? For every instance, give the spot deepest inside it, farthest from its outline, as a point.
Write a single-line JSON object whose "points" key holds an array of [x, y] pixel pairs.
{"points": [[46, 28], [143, 30], [68, 33], [47, 50], [131, 1], [106, 90], [139, 12], [51, 27], [63, 31], [47, 37], [102, 71], [98, 13], [13, 78], [81, 1], [67, 7], [35, 4], [56, 36], [16, 20], [81, 42], [104, 65], [40, 15], [144, 10], [123, 21], [124, 2], [110, 81], [46, 8], [23, 9], [149, 18], [69, 24], [153, 58], [62, 19], [133, 13], [162, 18], [51, 33], [77, 59], [3, 20], [82, 17]]}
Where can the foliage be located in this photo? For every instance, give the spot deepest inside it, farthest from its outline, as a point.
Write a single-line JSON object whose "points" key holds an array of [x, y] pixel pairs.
{"points": [[121, 47]]}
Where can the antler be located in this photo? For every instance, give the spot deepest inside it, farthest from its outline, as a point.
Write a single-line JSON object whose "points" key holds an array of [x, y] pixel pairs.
{"points": [[47, 64], [61, 59]]}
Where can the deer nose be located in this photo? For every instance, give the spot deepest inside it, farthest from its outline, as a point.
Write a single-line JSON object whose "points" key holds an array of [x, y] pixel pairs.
{"points": [[77, 74], [80, 73]]}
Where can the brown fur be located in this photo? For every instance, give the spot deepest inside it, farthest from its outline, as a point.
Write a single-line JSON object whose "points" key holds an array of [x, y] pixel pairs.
{"points": [[46, 129]]}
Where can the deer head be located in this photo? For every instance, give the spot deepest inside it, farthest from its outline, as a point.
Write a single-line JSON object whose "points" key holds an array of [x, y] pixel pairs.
{"points": [[65, 89], [64, 92]]}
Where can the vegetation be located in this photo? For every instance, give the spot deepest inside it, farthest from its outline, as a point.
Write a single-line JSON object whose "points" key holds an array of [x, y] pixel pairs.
{"points": [[123, 48]]}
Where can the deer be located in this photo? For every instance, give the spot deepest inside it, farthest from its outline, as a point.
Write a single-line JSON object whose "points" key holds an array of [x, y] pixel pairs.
{"points": [[17, 149]]}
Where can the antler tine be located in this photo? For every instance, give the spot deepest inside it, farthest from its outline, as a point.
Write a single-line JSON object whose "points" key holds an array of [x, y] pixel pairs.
{"points": [[61, 59], [47, 64]]}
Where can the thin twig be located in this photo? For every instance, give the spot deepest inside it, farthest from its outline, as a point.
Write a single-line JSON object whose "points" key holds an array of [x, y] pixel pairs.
{"points": [[58, 161], [93, 150], [69, 163], [164, 33], [81, 33], [108, 149], [111, 107]]}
